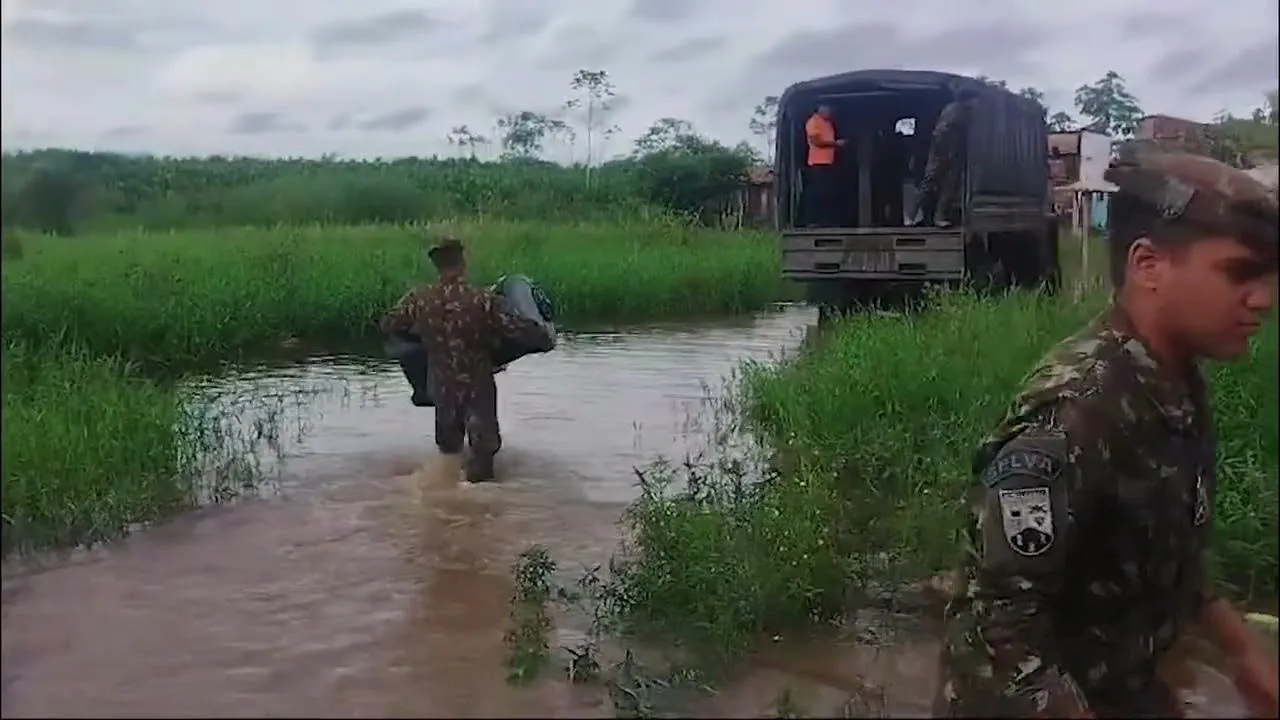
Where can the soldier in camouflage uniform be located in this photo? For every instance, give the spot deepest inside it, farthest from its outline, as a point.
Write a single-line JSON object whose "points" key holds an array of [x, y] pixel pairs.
{"points": [[461, 326], [1094, 504], [944, 169]]}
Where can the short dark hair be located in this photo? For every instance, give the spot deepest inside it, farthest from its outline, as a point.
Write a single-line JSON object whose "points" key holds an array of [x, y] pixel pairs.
{"points": [[447, 255], [1130, 219]]}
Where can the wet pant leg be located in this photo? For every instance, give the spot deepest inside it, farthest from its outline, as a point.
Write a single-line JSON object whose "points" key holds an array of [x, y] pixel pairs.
{"points": [[451, 416], [483, 434]]}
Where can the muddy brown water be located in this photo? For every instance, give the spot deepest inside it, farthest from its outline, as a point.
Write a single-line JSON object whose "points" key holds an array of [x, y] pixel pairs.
{"points": [[375, 584]]}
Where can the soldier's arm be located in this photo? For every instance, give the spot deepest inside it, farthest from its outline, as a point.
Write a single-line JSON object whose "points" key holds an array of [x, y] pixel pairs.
{"points": [[403, 315], [516, 327], [946, 121], [1033, 493]]}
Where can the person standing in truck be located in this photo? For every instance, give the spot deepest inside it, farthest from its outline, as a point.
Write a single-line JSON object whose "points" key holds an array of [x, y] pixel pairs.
{"points": [[1095, 501], [460, 325], [820, 196], [944, 169]]}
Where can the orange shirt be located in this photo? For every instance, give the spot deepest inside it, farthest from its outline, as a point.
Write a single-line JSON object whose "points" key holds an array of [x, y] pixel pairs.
{"points": [[823, 129]]}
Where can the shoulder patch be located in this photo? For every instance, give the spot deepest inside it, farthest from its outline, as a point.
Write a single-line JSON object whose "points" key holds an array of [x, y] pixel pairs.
{"points": [[1027, 462], [1026, 515]]}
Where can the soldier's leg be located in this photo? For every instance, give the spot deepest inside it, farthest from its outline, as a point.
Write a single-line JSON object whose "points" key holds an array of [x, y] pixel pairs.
{"points": [[927, 194], [450, 423], [483, 433], [945, 191]]}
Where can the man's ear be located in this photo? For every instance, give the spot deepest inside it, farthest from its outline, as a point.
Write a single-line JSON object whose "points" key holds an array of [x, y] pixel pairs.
{"points": [[1145, 264]]}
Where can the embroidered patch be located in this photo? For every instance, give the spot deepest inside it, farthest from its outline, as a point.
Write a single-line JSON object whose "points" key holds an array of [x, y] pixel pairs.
{"points": [[1027, 517], [1175, 198], [1020, 461]]}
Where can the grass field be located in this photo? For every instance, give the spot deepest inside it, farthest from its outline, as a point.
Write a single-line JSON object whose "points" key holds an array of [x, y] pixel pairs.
{"points": [[91, 447], [870, 434], [173, 297]]}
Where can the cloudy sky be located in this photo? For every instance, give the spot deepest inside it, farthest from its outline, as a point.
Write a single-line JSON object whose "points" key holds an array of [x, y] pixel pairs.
{"points": [[391, 77]]}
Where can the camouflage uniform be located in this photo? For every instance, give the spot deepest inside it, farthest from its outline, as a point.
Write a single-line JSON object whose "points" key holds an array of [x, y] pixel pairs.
{"points": [[461, 327], [1094, 507], [944, 169]]}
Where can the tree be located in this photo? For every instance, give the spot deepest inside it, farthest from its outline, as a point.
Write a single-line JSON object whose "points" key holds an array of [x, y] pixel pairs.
{"points": [[1061, 122], [1033, 93], [993, 83], [1110, 105], [595, 99], [461, 136], [524, 132], [664, 134], [764, 122]]}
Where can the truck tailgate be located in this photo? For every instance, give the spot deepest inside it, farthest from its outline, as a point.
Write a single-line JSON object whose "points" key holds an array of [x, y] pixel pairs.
{"points": [[900, 254]]}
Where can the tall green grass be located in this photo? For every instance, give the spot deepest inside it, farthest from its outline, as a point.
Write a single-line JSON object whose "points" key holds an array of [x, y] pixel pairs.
{"points": [[869, 434], [91, 447], [199, 295]]}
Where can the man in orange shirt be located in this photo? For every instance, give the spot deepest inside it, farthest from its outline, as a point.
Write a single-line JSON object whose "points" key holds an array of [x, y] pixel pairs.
{"points": [[819, 196]]}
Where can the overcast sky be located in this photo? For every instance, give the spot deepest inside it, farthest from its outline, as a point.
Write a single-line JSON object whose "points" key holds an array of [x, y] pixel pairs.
{"points": [[391, 77]]}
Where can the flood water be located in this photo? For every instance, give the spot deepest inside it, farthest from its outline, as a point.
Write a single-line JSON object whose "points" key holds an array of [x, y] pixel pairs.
{"points": [[375, 584]]}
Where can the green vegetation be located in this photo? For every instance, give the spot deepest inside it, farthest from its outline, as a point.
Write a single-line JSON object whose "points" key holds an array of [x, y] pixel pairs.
{"points": [[67, 192], [92, 447], [868, 436], [173, 297]]}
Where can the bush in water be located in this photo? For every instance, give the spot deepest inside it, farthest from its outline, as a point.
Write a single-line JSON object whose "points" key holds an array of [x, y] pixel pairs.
{"points": [[869, 435], [91, 448], [177, 296]]}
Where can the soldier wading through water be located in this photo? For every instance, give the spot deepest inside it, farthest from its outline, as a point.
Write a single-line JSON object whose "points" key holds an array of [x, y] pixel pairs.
{"points": [[1095, 495], [460, 326]]}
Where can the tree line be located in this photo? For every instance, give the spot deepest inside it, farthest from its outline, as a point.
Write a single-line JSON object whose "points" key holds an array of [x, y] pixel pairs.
{"points": [[670, 168]]}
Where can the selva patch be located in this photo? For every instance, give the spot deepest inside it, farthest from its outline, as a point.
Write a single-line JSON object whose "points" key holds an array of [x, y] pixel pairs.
{"points": [[1024, 462]]}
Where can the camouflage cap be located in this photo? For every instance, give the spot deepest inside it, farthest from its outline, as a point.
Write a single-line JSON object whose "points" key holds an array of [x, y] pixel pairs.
{"points": [[1200, 191]]}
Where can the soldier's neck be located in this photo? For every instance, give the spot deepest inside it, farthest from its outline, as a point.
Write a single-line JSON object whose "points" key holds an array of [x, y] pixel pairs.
{"points": [[451, 276], [1144, 322]]}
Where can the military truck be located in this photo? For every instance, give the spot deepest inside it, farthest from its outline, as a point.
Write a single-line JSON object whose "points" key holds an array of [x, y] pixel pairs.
{"points": [[1004, 232]]}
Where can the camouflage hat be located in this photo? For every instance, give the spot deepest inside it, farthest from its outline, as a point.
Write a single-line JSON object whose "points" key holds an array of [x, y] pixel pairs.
{"points": [[1200, 191]]}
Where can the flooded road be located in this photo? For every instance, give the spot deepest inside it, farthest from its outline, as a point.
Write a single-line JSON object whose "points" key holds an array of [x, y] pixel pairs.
{"points": [[376, 584]]}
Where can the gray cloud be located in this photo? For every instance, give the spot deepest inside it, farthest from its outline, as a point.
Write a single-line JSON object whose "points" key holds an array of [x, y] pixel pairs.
{"points": [[397, 120], [374, 30], [1153, 23], [124, 131], [80, 73], [1253, 68], [513, 19], [816, 53], [53, 34], [1176, 65], [692, 49], [662, 10], [580, 45], [263, 123]]}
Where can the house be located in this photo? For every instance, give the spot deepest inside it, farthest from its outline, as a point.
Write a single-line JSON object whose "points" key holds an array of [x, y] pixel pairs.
{"points": [[753, 203], [1187, 136], [1077, 162]]}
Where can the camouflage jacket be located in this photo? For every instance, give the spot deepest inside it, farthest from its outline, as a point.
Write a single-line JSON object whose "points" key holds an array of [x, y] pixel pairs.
{"points": [[461, 326], [1086, 561], [950, 125]]}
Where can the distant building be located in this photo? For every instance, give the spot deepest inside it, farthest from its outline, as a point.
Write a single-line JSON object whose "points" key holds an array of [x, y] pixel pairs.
{"points": [[755, 203], [1189, 136], [1077, 162]]}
